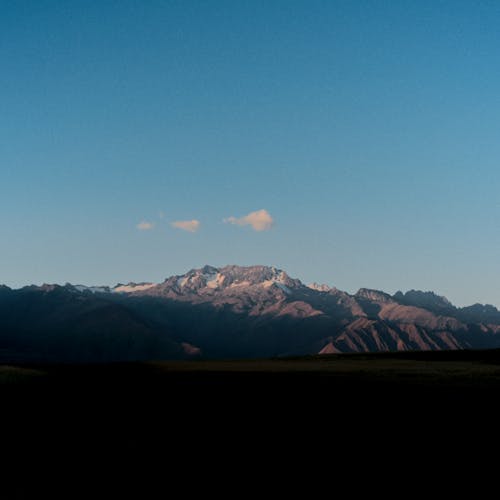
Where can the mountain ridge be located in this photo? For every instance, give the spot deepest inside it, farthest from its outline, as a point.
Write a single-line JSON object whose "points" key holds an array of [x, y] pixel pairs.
{"points": [[231, 311], [410, 297]]}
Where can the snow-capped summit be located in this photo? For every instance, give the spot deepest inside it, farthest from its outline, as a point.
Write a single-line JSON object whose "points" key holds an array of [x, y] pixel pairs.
{"points": [[209, 279], [195, 279]]}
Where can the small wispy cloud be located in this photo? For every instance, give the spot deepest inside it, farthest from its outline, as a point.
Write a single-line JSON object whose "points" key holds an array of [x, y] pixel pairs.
{"points": [[187, 225], [145, 225], [260, 220]]}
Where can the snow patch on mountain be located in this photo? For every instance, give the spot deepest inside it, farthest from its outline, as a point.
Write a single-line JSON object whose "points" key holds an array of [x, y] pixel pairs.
{"points": [[239, 284], [279, 284], [319, 287], [214, 280], [182, 281], [133, 287], [279, 279], [92, 289]]}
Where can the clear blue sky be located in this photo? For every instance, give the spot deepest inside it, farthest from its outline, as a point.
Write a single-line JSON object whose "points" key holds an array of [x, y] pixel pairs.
{"points": [[368, 130]]}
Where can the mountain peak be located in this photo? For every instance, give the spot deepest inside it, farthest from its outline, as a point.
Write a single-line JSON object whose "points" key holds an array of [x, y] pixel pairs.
{"points": [[428, 300], [207, 269], [373, 295], [266, 276], [209, 279]]}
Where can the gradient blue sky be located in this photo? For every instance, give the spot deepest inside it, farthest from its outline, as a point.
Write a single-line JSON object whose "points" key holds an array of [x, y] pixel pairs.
{"points": [[369, 130]]}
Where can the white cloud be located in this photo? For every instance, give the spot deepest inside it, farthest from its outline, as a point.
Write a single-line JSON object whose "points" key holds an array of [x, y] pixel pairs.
{"points": [[145, 226], [187, 225], [260, 220]]}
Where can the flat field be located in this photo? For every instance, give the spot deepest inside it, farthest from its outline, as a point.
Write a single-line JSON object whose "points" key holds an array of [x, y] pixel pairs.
{"points": [[207, 418]]}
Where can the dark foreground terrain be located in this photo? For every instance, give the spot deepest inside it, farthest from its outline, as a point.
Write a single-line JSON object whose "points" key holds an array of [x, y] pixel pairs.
{"points": [[101, 430]]}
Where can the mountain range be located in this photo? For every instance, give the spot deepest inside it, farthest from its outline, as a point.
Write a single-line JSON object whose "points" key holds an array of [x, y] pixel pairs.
{"points": [[229, 312]]}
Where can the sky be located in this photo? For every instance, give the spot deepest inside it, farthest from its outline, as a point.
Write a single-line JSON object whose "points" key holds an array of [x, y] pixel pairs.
{"points": [[353, 143]]}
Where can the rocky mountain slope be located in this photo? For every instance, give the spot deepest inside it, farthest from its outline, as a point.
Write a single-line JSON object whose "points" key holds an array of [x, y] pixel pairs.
{"points": [[231, 311]]}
